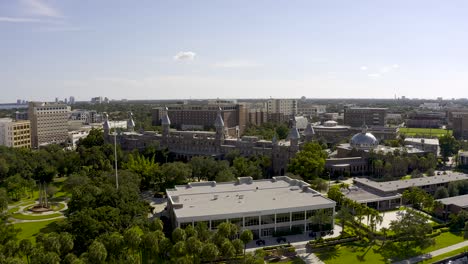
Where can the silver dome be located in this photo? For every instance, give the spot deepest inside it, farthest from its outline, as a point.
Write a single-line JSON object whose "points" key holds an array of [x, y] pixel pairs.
{"points": [[364, 140]]}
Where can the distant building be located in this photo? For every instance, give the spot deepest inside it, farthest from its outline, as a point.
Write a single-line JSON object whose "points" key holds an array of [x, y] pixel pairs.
{"points": [[97, 100], [15, 134], [452, 205], [425, 144], [49, 123], [425, 119], [265, 207], [21, 115], [357, 116], [430, 106], [200, 115], [309, 109], [281, 110], [460, 125], [71, 100]]}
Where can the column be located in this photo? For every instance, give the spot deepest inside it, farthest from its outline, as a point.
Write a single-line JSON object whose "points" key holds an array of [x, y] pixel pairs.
{"points": [[275, 222], [290, 220], [378, 205], [305, 221]]}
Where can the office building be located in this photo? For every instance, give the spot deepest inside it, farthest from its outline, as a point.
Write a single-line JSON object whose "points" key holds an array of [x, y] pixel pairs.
{"points": [[357, 116], [280, 204], [281, 110], [15, 134], [49, 123], [425, 119], [460, 125]]}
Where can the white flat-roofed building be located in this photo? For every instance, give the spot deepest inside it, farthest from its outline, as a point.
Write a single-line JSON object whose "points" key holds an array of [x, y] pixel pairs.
{"points": [[263, 206]]}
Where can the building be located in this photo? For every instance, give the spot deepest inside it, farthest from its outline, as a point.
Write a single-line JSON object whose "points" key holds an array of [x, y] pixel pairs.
{"points": [[284, 106], [200, 115], [357, 116], [280, 204], [15, 134], [425, 144], [49, 123], [257, 116], [387, 195], [460, 125], [425, 119], [331, 133], [452, 205], [463, 159], [308, 109]]}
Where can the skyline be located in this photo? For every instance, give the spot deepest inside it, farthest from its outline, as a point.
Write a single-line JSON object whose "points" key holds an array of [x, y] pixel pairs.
{"points": [[170, 50]]}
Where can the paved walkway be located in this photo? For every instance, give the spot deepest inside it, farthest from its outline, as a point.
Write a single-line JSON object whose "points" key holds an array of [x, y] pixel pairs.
{"points": [[434, 253], [23, 206]]}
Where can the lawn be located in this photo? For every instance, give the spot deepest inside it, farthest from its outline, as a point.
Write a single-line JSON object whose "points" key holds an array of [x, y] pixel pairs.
{"points": [[363, 252], [430, 132], [35, 217], [30, 230]]}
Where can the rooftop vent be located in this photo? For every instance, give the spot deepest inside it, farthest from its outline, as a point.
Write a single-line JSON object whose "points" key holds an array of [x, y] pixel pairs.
{"points": [[215, 197], [241, 196]]}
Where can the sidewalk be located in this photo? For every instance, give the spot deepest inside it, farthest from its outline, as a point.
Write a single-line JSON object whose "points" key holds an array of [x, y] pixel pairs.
{"points": [[433, 253]]}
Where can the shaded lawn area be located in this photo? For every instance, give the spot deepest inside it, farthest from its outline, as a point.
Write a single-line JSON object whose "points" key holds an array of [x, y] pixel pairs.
{"points": [[35, 217], [435, 132], [30, 230], [361, 251]]}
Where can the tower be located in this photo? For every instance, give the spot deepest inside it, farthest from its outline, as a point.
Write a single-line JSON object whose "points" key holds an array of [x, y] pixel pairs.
{"points": [[165, 123], [219, 126], [130, 122], [294, 135], [106, 125], [309, 133]]}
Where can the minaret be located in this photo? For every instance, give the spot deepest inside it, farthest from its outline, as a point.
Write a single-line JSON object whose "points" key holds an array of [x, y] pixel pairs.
{"points": [[309, 132], [130, 122], [165, 123], [106, 125], [294, 135], [219, 126]]}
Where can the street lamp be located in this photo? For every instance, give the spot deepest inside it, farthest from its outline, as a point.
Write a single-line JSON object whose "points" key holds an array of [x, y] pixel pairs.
{"points": [[115, 159]]}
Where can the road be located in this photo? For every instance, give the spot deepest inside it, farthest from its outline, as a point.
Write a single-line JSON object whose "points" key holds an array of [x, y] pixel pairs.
{"points": [[434, 253]]}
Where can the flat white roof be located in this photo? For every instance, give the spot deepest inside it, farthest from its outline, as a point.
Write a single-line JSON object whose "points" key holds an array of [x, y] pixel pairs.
{"points": [[428, 141], [460, 201], [244, 197], [392, 186]]}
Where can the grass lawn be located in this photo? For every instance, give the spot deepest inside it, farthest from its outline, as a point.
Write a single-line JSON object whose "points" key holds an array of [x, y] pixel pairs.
{"points": [[34, 217], [13, 210], [296, 260], [363, 252], [431, 132], [30, 230]]}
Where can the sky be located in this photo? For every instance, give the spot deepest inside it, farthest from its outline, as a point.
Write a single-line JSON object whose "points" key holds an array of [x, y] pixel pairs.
{"points": [[149, 49]]}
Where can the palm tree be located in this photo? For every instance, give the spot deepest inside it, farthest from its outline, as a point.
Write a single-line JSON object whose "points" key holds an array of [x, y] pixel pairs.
{"points": [[320, 218], [344, 214]]}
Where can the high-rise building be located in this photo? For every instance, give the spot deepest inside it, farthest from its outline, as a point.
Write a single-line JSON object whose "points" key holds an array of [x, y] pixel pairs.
{"points": [[16, 134], [357, 116], [49, 123], [72, 100]]}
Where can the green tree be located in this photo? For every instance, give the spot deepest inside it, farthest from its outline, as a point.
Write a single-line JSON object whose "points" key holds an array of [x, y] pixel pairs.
{"points": [[178, 235], [26, 247], [320, 218], [194, 246], [345, 215], [412, 229], [309, 162], [441, 192], [97, 252], [209, 252], [238, 246], [227, 249], [3, 199], [246, 236], [448, 146]]}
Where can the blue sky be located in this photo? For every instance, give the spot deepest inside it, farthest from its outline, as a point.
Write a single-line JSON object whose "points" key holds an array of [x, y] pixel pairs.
{"points": [[232, 49]]}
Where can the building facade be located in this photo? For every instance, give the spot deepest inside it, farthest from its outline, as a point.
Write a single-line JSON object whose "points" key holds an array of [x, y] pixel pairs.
{"points": [[266, 207], [357, 116], [460, 125], [49, 123], [15, 134]]}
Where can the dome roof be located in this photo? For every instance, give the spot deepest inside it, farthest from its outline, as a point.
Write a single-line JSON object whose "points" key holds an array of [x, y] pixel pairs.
{"points": [[330, 123], [364, 140]]}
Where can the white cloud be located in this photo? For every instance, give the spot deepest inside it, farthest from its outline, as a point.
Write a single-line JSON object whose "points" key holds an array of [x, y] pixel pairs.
{"points": [[395, 66], [39, 8], [185, 56], [374, 75], [20, 20], [237, 64], [363, 68]]}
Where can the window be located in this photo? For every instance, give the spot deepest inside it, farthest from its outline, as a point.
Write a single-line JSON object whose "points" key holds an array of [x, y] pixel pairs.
{"points": [[282, 218], [298, 216], [236, 221], [268, 219], [184, 225], [251, 221]]}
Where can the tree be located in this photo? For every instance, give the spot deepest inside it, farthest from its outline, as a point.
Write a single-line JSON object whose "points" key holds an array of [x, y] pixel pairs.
{"points": [[132, 238], [3, 199], [441, 192], [246, 236], [25, 247], [320, 218], [179, 249], [178, 235], [194, 246], [412, 228], [227, 249], [209, 252], [238, 246], [97, 252], [448, 146], [465, 230], [418, 198], [309, 162], [344, 214]]}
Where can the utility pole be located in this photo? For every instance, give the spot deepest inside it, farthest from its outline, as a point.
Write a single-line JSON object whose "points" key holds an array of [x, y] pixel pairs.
{"points": [[115, 160]]}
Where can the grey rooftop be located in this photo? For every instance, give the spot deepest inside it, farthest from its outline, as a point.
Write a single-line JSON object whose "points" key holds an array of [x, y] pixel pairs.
{"points": [[245, 196], [460, 201], [393, 186]]}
